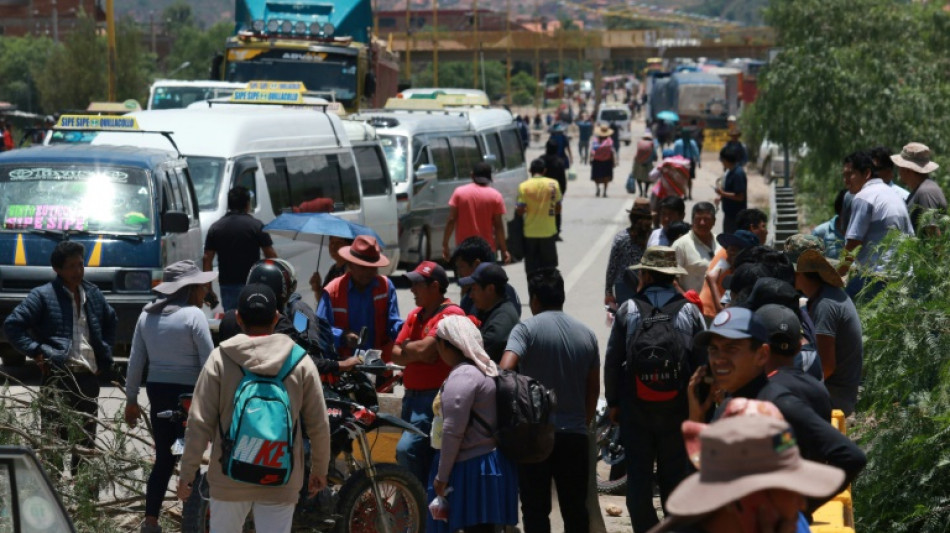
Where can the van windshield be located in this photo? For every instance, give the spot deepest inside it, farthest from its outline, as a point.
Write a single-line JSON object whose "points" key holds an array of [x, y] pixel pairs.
{"points": [[614, 115], [396, 149], [180, 97], [207, 174], [83, 198]]}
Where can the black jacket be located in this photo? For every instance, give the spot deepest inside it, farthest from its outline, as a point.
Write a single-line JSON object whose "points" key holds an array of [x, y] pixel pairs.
{"points": [[805, 387], [43, 324]]}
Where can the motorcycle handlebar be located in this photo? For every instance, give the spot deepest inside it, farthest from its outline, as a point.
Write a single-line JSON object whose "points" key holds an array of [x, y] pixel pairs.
{"points": [[378, 369]]}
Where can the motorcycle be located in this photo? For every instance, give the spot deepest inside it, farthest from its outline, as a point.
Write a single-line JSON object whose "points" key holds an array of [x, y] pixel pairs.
{"points": [[361, 495], [611, 459]]}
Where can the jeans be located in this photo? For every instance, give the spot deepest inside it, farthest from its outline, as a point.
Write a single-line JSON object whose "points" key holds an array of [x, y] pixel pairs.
{"points": [[583, 150], [230, 295], [67, 393], [229, 517], [414, 452], [162, 397], [652, 434], [568, 465]]}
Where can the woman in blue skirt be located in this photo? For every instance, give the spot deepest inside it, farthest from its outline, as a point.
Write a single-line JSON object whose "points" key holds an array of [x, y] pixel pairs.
{"points": [[483, 482]]}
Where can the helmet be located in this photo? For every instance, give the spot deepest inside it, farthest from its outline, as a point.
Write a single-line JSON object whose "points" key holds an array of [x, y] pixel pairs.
{"points": [[276, 274]]}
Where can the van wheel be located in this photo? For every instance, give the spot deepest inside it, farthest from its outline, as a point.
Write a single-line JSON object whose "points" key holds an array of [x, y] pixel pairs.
{"points": [[424, 248]]}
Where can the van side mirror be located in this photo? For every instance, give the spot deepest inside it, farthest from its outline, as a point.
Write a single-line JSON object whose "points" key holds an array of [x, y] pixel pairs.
{"points": [[491, 159], [175, 222], [425, 172]]}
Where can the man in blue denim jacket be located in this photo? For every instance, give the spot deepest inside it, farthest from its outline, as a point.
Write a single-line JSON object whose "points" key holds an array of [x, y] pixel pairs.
{"points": [[68, 327]]}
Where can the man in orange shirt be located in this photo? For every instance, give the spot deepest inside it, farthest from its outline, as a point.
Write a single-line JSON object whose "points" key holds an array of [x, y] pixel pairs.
{"points": [[425, 371], [477, 209]]}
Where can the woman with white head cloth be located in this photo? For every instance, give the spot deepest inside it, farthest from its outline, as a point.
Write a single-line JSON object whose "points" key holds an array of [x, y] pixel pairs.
{"points": [[484, 483]]}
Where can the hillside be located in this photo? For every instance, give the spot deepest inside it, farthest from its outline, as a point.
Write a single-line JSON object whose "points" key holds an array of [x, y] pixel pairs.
{"points": [[207, 12]]}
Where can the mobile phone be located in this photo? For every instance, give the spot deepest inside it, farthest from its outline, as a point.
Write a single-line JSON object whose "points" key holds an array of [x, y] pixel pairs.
{"points": [[704, 387]]}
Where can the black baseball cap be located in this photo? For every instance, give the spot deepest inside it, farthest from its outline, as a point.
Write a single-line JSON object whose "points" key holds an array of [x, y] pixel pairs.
{"points": [[783, 327], [485, 274], [257, 305]]}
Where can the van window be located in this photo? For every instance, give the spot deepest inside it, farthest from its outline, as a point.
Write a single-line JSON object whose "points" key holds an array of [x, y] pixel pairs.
{"points": [[494, 148], [466, 153], [207, 174], [514, 154], [373, 176], [321, 183], [177, 202], [442, 158], [186, 192], [275, 174], [245, 176]]}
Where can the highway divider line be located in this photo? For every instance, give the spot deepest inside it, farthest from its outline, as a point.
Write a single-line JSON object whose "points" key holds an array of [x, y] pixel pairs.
{"points": [[596, 250]]}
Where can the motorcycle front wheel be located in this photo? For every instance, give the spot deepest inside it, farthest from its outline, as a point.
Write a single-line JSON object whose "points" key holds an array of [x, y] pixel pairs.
{"points": [[611, 460], [403, 500]]}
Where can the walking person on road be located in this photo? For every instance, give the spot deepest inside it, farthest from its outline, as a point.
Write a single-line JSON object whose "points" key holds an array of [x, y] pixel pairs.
{"points": [[484, 481], [554, 169], [259, 351], [603, 158], [650, 421], [732, 192], [643, 162], [477, 209], [68, 328], [627, 249], [172, 340], [559, 351], [539, 201], [585, 129], [238, 239], [425, 372]]}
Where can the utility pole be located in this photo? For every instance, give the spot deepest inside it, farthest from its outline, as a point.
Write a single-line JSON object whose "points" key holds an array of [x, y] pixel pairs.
{"points": [[475, 41], [110, 35], [508, 51], [435, 43], [151, 28], [408, 73], [55, 14]]}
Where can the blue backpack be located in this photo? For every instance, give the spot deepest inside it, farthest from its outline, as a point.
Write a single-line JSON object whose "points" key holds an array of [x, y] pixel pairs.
{"points": [[259, 446]]}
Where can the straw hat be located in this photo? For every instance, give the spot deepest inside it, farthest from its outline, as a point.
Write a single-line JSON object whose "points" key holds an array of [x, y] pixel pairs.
{"points": [[812, 261], [916, 157], [603, 130], [660, 259]]}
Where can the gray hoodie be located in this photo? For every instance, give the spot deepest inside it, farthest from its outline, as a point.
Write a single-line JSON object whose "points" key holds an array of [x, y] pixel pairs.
{"points": [[213, 405]]}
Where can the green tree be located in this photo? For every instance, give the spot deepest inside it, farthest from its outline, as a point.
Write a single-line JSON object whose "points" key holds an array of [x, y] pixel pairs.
{"points": [[20, 59], [459, 74], [75, 72], [135, 67], [197, 48], [845, 80]]}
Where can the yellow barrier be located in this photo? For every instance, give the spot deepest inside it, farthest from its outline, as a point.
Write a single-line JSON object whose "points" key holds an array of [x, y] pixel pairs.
{"points": [[714, 140], [837, 515]]}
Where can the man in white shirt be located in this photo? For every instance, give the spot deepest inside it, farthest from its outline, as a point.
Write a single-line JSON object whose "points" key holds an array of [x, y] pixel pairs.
{"points": [[695, 249], [672, 209]]}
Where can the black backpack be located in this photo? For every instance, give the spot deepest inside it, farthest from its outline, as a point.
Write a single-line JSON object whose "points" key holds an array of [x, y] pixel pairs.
{"points": [[525, 432], [656, 360]]}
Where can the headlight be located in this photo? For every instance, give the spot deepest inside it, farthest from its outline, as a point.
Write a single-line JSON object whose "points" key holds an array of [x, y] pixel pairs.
{"points": [[314, 28], [286, 26], [272, 25], [257, 25], [133, 281], [328, 30], [300, 27]]}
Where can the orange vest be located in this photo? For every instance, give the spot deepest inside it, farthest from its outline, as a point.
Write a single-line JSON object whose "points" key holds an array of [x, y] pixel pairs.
{"points": [[339, 305]]}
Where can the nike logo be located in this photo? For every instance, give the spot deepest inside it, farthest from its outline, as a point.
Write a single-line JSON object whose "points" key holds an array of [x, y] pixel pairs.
{"points": [[254, 410]]}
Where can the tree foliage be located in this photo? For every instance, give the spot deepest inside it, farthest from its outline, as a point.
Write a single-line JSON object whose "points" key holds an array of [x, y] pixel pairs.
{"points": [[197, 48], [847, 79], [460, 74], [74, 74], [20, 58], [905, 404]]}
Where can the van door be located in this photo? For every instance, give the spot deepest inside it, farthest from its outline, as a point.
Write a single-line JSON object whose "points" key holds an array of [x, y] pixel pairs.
{"points": [[175, 247], [515, 169], [192, 245], [379, 201]]}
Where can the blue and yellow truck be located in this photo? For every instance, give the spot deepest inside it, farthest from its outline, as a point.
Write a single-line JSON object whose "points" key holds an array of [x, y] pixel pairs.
{"points": [[134, 209]]}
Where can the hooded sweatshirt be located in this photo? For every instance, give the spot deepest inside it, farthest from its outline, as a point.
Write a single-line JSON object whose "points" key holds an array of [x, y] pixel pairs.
{"points": [[213, 405]]}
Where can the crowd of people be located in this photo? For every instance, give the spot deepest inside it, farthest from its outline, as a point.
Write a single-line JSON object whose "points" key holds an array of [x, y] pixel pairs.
{"points": [[724, 362]]}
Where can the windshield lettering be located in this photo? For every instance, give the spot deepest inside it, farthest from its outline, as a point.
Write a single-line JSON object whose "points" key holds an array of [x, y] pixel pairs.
{"points": [[33, 174], [58, 217]]}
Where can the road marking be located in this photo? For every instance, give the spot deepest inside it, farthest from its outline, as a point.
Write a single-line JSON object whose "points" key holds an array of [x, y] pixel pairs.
{"points": [[594, 252]]}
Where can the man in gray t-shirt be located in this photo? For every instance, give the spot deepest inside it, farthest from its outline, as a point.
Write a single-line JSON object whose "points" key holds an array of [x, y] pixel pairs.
{"points": [[561, 353], [837, 328]]}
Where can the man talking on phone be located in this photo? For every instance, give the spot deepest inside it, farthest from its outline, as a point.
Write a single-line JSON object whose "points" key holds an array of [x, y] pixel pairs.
{"points": [[646, 374]]}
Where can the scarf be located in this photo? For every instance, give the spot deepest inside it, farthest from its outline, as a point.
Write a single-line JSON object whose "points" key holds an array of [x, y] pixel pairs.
{"points": [[460, 332]]}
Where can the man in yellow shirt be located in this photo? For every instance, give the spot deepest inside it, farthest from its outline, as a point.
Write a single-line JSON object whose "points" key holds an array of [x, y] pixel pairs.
{"points": [[539, 200]]}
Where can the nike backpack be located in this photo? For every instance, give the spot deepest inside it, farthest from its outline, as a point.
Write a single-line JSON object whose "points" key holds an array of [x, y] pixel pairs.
{"points": [[656, 359], [525, 431], [259, 445]]}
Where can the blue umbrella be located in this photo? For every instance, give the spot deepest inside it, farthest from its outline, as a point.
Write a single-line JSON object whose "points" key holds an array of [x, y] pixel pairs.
{"points": [[669, 116], [314, 226]]}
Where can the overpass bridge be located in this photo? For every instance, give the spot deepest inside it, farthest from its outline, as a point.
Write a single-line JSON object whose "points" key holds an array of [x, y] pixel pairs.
{"points": [[425, 45]]}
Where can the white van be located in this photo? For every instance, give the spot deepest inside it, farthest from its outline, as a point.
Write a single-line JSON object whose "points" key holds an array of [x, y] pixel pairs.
{"points": [[285, 158], [619, 116], [431, 152], [177, 94]]}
